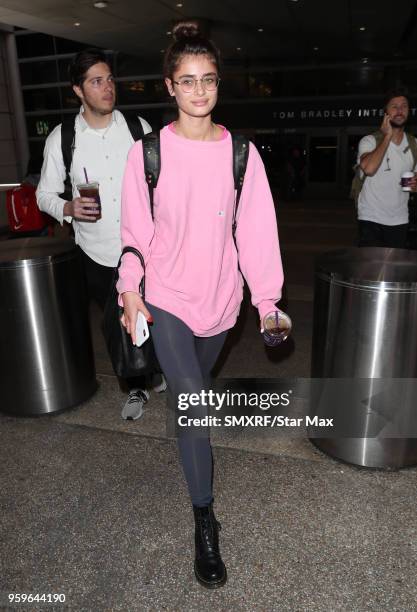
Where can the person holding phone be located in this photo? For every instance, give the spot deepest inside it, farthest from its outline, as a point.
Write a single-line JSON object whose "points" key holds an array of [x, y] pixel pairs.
{"points": [[194, 267], [382, 158]]}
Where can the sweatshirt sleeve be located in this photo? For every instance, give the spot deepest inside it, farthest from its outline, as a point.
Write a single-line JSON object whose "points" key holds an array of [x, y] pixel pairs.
{"points": [[257, 237], [137, 227]]}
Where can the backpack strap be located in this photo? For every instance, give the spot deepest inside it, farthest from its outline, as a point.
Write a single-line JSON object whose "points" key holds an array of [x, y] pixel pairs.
{"points": [[134, 124], [67, 148], [240, 161], [151, 162], [68, 136], [152, 165], [412, 145], [68, 143]]}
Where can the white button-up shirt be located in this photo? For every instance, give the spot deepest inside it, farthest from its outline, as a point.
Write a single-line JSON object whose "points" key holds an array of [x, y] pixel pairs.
{"points": [[103, 153]]}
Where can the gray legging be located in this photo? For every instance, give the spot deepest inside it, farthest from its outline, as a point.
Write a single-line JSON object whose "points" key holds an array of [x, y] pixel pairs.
{"points": [[186, 361]]}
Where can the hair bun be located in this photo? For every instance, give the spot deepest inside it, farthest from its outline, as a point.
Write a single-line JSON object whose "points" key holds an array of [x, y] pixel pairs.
{"points": [[185, 29]]}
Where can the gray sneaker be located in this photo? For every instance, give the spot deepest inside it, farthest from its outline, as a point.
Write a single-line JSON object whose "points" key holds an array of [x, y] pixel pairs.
{"points": [[133, 409]]}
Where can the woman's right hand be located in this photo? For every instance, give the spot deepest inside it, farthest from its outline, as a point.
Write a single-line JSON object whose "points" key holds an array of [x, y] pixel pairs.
{"points": [[132, 304]]}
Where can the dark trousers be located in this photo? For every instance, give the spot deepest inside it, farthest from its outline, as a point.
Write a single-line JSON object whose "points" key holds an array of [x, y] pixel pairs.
{"points": [[99, 279], [186, 361], [377, 235], [99, 282]]}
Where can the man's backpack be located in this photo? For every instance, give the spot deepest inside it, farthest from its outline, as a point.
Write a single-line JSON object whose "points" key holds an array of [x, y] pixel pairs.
{"points": [[68, 143], [359, 176], [152, 165]]}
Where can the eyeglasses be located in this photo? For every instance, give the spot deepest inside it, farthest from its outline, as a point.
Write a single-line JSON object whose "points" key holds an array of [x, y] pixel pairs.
{"points": [[188, 84]]}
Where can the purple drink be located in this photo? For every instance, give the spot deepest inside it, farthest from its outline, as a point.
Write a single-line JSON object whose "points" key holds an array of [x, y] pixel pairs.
{"points": [[277, 327], [90, 190]]}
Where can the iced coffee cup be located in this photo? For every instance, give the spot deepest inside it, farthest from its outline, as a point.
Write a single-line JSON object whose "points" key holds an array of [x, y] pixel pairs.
{"points": [[277, 327], [91, 190]]}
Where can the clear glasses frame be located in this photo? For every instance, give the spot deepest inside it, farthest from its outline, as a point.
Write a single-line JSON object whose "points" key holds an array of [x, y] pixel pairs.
{"points": [[188, 84]]}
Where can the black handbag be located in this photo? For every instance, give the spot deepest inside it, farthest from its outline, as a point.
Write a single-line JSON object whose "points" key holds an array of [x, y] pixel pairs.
{"points": [[127, 359]]}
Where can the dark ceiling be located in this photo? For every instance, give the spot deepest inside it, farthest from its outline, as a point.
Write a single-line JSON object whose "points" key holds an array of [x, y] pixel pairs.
{"points": [[292, 31]]}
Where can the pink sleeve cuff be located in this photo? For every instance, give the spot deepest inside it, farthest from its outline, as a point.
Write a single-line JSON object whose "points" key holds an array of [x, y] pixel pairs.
{"points": [[130, 275], [266, 306], [121, 292]]}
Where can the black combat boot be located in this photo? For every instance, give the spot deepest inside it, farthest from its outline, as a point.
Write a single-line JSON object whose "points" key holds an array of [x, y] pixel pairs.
{"points": [[209, 568]]}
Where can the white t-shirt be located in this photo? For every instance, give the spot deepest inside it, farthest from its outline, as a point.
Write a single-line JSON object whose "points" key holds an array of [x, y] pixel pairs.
{"points": [[381, 199]]}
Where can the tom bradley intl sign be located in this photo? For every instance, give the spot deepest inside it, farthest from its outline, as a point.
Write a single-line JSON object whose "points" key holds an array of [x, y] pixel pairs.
{"points": [[352, 114], [299, 113]]}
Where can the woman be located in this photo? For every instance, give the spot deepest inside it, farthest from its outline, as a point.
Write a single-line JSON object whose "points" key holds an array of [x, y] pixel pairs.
{"points": [[193, 285]]}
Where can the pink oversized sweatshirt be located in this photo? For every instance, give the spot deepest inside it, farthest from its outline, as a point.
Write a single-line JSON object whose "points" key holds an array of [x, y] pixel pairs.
{"points": [[190, 256]]}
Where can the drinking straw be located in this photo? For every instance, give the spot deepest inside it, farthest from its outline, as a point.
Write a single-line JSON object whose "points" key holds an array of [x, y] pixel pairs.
{"points": [[85, 174]]}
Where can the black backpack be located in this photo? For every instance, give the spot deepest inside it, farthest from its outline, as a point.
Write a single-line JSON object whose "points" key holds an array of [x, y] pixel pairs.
{"points": [[152, 157], [68, 143], [152, 165]]}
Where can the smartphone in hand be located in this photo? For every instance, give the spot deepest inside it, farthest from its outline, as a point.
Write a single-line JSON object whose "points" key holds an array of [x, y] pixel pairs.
{"points": [[142, 329]]}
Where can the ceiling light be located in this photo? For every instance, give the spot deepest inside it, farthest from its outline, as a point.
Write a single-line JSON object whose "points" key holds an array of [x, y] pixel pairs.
{"points": [[364, 60], [101, 4], [238, 48], [260, 29], [77, 24], [362, 28], [169, 33], [162, 50], [179, 4], [315, 48]]}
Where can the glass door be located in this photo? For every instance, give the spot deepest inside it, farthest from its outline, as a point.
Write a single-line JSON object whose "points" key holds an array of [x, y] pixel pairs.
{"points": [[323, 159], [324, 162]]}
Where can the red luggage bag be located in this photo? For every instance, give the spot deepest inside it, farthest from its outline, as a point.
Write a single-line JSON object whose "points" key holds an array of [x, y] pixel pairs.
{"points": [[23, 212]]}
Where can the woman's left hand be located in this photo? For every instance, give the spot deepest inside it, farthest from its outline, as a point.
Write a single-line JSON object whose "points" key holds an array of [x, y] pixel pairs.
{"points": [[132, 304]]}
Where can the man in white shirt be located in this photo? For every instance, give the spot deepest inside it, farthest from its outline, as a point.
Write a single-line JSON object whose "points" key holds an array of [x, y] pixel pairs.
{"points": [[383, 158], [102, 140]]}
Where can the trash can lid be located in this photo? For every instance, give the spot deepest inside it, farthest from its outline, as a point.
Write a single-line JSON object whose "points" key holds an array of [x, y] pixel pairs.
{"points": [[370, 268], [35, 251]]}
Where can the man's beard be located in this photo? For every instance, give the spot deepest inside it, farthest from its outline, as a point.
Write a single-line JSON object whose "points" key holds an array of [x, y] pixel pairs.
{"points": [[98, 111], [396, 124], [101, 111]]}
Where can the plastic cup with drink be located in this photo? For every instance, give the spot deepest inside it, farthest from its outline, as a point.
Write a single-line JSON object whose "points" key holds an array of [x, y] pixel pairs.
{"points": [[90, 189], [406, 179], [276, 327]]}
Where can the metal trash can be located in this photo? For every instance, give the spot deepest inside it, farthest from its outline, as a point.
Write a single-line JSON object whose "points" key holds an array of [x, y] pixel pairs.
{"points": [[46, 354], [364, 356]]}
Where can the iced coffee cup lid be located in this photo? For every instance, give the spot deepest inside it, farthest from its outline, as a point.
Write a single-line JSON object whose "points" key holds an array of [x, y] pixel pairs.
{"points": [[87, 185], [407, 175]]}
